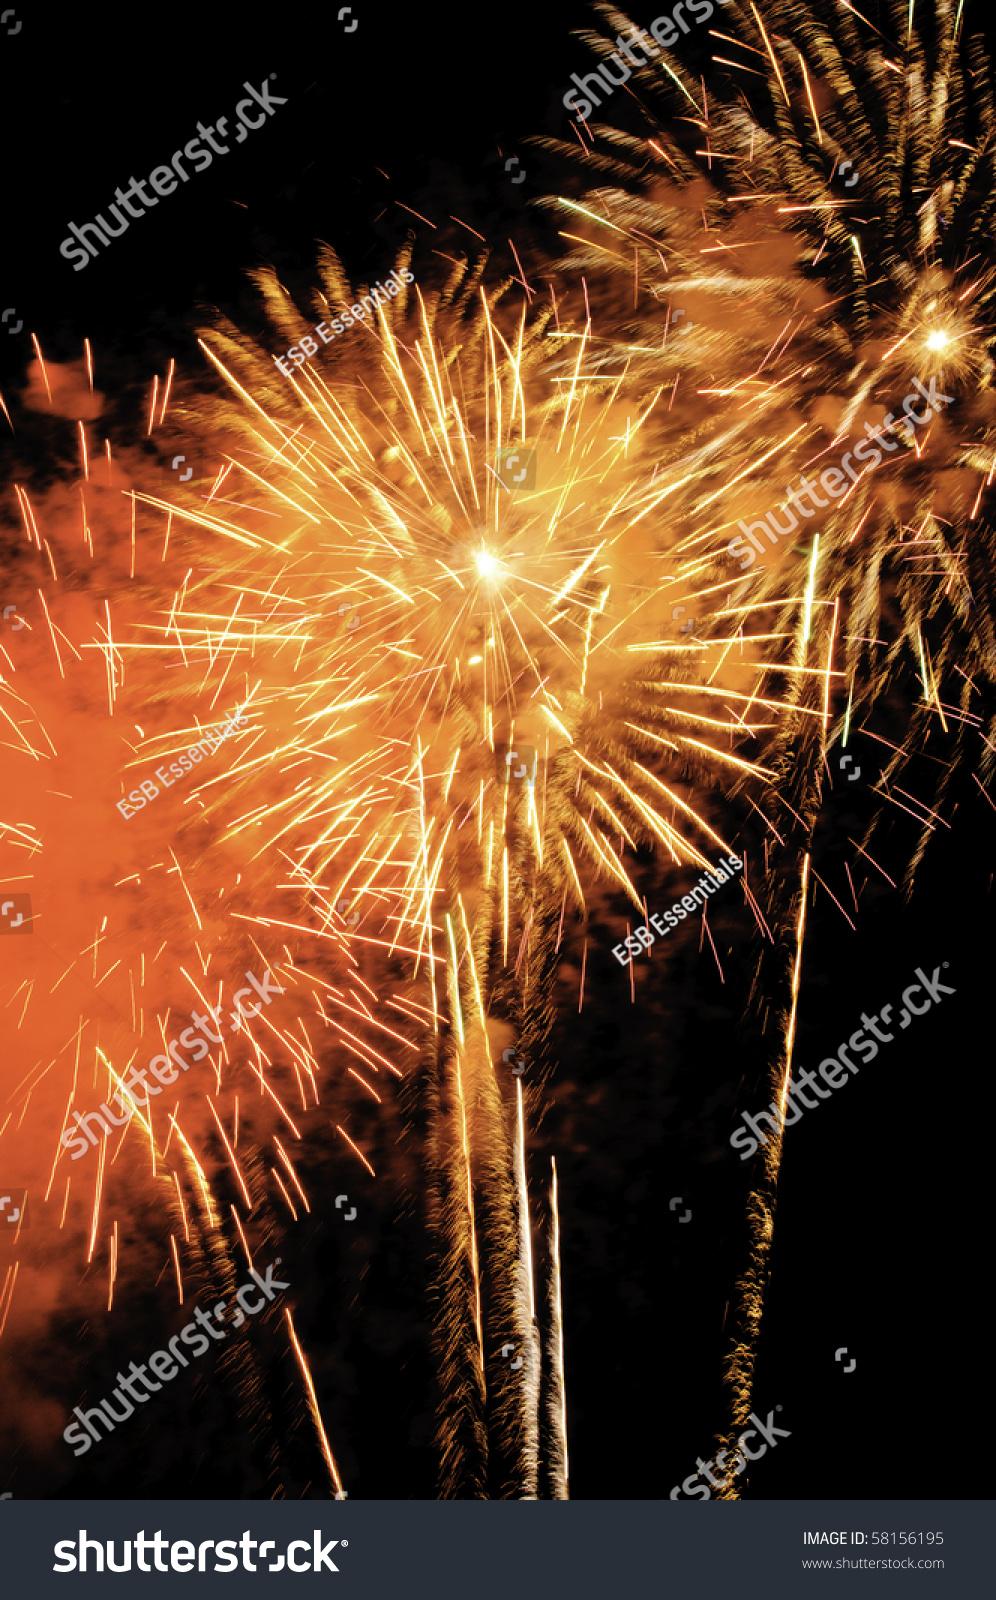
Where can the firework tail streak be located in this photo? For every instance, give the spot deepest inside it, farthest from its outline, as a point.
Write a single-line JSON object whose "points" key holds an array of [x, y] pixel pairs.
{"points": [[162, 179], [643, 938], [160, 1066], [160, 1361], [698, 1491], [832, 1070], [838, 485]]}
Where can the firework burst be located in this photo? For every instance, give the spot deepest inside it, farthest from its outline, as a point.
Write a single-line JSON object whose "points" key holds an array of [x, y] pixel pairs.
{"points": [[502, 718], [815, 299]]}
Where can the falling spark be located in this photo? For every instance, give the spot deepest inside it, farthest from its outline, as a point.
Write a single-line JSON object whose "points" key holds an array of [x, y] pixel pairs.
{"points": [[313, 1405]]}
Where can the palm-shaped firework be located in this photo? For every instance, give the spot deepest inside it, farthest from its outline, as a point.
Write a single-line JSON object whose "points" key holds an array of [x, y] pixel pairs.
{"points": [[842, 332], [497, 717]]}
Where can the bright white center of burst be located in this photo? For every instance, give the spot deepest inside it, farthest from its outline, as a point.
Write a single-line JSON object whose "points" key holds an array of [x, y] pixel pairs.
{"points": [[487, 565], [937, 341]]}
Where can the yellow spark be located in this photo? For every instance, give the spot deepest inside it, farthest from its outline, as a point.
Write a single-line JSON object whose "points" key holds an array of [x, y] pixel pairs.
{"points": [[355, 1150], [487, 565], [524, 1227], [558, 725], [504, 901], [313, 1405], [176, 1266], [231, 1156], [771, 53], [810, 586], [202, 1180], [796, 971]]}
